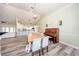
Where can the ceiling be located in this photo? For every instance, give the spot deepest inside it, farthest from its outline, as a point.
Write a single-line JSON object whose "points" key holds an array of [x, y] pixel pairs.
{"points": [[40, 8], [27, 13]]}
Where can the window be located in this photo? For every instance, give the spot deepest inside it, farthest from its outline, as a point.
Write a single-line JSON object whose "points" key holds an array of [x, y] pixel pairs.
{"points": [[14, 29], [11, 29], [3, 29], [7, 29]]}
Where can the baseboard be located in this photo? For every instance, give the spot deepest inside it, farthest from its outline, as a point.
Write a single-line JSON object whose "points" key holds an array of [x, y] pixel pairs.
{"points": [[69, 45]]}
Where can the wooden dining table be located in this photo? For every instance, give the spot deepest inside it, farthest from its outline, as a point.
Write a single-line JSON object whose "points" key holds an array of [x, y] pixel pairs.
{"points": [[33, 36]]}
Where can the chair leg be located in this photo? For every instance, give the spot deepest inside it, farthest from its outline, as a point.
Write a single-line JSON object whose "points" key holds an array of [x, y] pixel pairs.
{"points": [[39, 53], [47, 48], [54, 40], [42, 52], [32, 54]]}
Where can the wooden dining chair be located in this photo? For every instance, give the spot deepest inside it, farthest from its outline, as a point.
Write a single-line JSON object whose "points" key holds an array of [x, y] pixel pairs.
{"points": [[45, 43], [36, 46]]}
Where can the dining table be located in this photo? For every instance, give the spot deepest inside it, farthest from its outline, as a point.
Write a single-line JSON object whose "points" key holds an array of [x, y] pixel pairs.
{"points": [[33, 36]]}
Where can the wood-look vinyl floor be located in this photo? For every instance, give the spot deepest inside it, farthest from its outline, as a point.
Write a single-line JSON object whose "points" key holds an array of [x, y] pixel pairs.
{"points": [[16, 47]]}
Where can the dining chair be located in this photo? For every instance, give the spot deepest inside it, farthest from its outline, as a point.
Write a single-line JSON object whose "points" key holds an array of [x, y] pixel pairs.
{"points": [[45, 43], [28, 47], [36, 46]]}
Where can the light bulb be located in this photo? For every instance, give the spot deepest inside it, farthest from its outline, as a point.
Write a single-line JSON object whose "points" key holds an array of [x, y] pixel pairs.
{"points": [[34, 15]]}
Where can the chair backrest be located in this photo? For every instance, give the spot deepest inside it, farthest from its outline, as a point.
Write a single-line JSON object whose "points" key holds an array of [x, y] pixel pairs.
{"points": [[45, 41], [36, 44]]}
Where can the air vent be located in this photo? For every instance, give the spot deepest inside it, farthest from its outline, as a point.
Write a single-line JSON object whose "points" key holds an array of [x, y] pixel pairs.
{"points": [[3, 21]]}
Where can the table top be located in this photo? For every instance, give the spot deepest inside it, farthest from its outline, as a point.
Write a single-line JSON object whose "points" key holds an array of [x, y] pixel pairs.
{"points": [[34, 36]]}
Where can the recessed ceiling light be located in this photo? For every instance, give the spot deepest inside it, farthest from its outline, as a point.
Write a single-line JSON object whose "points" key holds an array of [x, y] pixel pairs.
{"points": [[34, 15]]}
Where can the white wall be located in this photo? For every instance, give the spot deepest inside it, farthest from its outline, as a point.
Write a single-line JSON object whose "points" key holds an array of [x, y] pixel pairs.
{"points": [[69, 31]]}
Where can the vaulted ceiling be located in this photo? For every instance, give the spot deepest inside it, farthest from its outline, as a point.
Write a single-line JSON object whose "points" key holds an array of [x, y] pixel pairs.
{"points": [[27, 13]]}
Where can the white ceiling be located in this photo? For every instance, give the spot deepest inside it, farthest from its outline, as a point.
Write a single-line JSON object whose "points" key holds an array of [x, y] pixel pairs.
{"points": [[40, 8], [26, 11]]}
